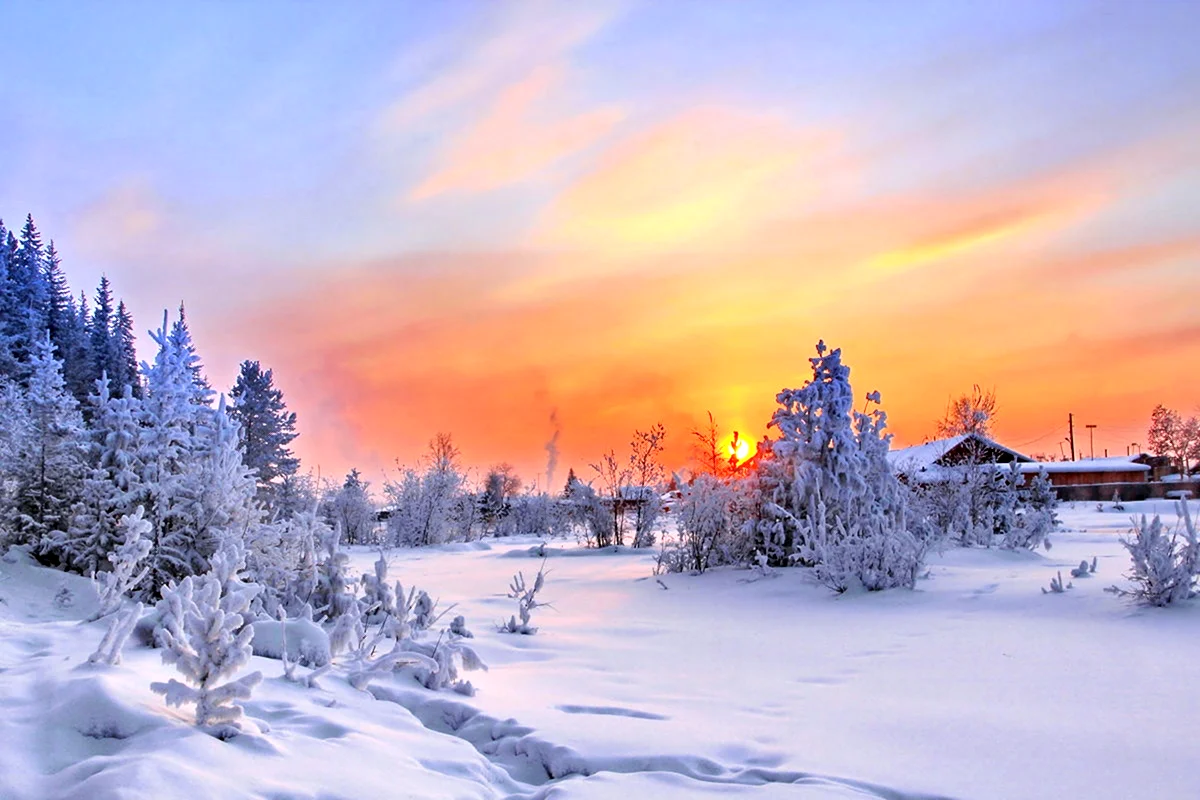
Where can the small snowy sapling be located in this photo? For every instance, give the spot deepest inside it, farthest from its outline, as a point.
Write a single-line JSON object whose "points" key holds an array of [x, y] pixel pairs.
{"points": [[526, 597], [1164, 568], [125, 575], [202, 632]]}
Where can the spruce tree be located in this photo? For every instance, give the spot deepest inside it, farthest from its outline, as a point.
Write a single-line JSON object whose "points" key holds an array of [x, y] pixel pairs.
{"points": [[100, 333], [267, 428], [125, 363], [167, 442], [113, 488], [51, 456]]}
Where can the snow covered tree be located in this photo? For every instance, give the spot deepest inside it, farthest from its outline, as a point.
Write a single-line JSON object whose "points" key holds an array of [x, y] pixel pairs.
{"points": [[202, 631], [351, 511], [969, 413], [267, 427], [1035, 516], [173, 410], [1165, 566], [125, 363], [51, 464], [425, 505], [222, 497], [113, 487], [588, 514], [646, 473], [126, 560], [832, 499], [1173, 436]]}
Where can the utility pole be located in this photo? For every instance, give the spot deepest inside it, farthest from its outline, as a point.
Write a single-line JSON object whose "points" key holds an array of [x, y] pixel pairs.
{"points": [[1071, 428], [1091, 440]]}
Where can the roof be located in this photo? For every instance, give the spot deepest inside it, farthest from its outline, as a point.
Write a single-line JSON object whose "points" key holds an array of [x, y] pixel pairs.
{"points": [[923, 456], [1110, 464]]}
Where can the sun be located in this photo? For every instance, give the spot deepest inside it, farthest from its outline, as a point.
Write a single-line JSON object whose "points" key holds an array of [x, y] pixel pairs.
{"points": [[739, 448]]}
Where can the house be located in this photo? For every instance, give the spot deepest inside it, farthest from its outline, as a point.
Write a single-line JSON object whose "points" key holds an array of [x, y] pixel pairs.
{"points": [[935, 461], [1092, 471]]}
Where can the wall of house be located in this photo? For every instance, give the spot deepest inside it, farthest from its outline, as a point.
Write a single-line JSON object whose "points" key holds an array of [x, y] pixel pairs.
{"points": [[1090, 478]]}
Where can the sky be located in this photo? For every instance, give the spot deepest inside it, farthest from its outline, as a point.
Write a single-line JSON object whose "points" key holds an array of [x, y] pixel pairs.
{"points": [[506, 219]]}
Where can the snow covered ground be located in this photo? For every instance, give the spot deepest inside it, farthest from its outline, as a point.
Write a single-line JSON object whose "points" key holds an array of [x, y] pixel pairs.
{"points": [[976, 685]]}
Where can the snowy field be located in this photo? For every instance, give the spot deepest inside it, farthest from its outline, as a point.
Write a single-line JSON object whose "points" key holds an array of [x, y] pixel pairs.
{"points": [[976, 685]]}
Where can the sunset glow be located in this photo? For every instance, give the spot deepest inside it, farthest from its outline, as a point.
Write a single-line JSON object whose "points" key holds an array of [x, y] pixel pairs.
{"points": [[507, 220]]}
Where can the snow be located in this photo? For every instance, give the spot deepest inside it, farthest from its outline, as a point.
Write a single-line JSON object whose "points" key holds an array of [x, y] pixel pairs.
{"points": [[727, 684], [1110, 464]]}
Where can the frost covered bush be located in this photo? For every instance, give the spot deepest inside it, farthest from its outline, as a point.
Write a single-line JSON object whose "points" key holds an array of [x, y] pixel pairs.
{"points": [[533, 515], [588, 515], [203, 633], [526, 597], [1035, 518], [1165, 566], [427, 506], [707, 525]]}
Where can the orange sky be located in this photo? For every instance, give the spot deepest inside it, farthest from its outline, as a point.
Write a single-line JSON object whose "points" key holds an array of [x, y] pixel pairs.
{"points": [[468, 222]]}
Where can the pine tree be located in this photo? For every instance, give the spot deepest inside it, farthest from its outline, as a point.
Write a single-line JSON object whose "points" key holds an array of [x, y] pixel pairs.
{"points": [[833, 501], [25, 300], [267, 427], [171, 415], [181, 340], [100, 332], [221, 485], [125, 363], [51, 457], [113, 489], [8, 363]]}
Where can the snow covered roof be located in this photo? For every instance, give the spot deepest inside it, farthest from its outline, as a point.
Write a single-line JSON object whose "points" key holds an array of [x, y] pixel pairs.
{"points": [[1110, 464], [923, 456]]}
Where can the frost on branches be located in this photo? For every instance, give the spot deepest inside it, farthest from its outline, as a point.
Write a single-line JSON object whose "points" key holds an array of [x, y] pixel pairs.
{"points": [[831, 500], [127, 570], [203, 633], [1165, 566]]}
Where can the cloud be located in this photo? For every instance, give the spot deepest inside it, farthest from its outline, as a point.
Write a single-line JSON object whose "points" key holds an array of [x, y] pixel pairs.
{"points": [[701, 178], [513, 40], [516, 139]]}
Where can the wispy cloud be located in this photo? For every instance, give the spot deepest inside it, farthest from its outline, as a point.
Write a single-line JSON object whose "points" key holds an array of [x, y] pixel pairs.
{"points": [[700, 179], [518, 137]]}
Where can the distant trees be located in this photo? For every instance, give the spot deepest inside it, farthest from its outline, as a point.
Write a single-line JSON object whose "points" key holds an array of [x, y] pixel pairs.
{"points": [[1175, 437]]}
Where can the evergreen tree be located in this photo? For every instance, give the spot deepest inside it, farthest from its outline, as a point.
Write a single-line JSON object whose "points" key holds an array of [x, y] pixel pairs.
{"points": [[113, 488], [221, 485], [51, 456], [8, 363], [167, 442], [100, 333], [25, 297], [125, 363], [267, 428], [181, 340]]}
